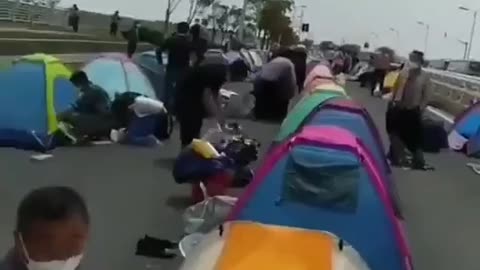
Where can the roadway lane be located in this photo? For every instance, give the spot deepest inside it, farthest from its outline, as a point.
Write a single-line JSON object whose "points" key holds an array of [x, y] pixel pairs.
{"points": [[129, 191], [441, 207]]}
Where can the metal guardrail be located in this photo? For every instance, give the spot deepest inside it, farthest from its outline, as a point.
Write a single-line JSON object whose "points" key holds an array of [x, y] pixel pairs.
{"points": [[453, 92], [23, 11]]}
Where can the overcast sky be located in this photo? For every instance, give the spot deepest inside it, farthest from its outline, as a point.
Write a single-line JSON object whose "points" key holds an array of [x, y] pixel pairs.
{"points": [[350, 21]]}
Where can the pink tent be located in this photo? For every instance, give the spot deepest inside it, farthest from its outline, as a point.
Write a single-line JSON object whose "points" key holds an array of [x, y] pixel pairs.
{"points": [[320, 74]]}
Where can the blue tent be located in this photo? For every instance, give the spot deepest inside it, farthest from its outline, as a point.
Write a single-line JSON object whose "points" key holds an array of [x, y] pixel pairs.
{"points": [[355, 123], [155, 72], [116, 73], [34, 90], [468, 122], [324, 179]]}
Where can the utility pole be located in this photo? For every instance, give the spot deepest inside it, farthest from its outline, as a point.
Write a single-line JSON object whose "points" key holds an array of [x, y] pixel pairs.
{"points": [[472, 33], [465, 48], [427, 33]]}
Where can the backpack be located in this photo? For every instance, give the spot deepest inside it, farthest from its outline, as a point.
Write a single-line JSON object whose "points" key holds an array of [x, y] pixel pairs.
{"points": [[163, 126]]}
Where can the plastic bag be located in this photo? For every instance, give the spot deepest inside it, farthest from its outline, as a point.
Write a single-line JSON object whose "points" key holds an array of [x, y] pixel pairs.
{"points": [[377, 91], [208, 214], [390, 79]]}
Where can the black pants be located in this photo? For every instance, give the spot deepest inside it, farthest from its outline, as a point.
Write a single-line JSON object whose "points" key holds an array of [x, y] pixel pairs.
{"points": [[268, 104], [113, 29], [131, 47], [406, 125], [75, 27], [190, 127], [378, 78], [173, 77]]}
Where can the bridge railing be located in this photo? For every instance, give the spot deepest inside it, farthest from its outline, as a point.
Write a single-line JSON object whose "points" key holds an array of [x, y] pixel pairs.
{"points": [[453, 92], [28, 11]]}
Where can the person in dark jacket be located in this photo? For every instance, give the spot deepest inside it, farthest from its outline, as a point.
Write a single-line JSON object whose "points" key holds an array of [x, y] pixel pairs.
{"points": [[90, 115], [133, 37], [274, 86], [381, 63], [51, 231], [299, 60], [74, 18], [198, 96], [114, 23], [179, 46], [199, 42]]}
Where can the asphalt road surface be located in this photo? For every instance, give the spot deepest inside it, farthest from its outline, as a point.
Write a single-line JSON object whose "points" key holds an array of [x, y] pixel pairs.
{"points": [[130, 192]]}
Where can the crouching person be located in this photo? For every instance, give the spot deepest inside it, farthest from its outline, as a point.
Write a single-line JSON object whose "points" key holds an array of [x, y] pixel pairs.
{"points": [[274, 87], [140, 120], [89, 117]]}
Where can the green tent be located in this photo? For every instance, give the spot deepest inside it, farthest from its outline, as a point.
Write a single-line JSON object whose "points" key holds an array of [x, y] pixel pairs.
{"points": [[302, 110]]}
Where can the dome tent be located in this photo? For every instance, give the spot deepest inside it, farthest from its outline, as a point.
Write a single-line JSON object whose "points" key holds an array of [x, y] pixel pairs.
{"points": [[34, 90], [155, 72], [116, 73], [278, 248]]}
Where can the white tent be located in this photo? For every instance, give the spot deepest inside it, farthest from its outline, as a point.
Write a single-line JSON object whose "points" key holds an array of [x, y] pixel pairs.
{"points": [[213, 251]]}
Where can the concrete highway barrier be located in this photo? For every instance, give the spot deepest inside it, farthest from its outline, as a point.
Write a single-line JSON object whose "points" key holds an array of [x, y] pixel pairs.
{"points": [[453, 92]]}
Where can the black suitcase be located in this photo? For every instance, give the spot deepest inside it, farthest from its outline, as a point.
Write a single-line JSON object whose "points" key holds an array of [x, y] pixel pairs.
{"points": [[435, 137]]}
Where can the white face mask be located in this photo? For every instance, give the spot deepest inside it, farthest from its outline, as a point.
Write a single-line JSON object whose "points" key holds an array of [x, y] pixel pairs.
{"points": [[68, 264]]}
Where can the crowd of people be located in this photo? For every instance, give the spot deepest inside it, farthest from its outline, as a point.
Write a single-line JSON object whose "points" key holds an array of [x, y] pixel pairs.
{"points": [[53, 222]]}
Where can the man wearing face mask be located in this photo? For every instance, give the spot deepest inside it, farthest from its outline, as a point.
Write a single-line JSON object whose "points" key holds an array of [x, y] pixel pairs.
{"points": [[404, 116], [51, 231]]}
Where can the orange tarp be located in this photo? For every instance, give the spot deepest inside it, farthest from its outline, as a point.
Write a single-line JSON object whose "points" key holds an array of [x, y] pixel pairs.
{"points": [[252, 246]]}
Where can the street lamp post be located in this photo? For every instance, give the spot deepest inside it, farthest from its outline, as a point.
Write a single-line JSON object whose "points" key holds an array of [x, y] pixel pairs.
{"points": [[465, 50], [374, 35], [427, 32], [397, 33], [472, 30]]}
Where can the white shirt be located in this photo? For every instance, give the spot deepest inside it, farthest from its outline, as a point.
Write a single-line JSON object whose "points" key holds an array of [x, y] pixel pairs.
{"points": [[144, 106]]}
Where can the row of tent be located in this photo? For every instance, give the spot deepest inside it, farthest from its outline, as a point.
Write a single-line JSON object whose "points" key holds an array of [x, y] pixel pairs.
{"points": [[326, 171], [37, 87]]}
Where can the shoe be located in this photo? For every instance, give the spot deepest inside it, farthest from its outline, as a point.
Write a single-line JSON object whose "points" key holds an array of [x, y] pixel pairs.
{"points": [[65, 129], [148, 249], [423, 167], [162, 243]]}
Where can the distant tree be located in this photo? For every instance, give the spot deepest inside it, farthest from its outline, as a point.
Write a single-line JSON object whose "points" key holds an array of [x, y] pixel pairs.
{"points": [[308, 43], [327, 45], [273, 21], [195, 6], [352, 49], [387, 50], [171, 6]]}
